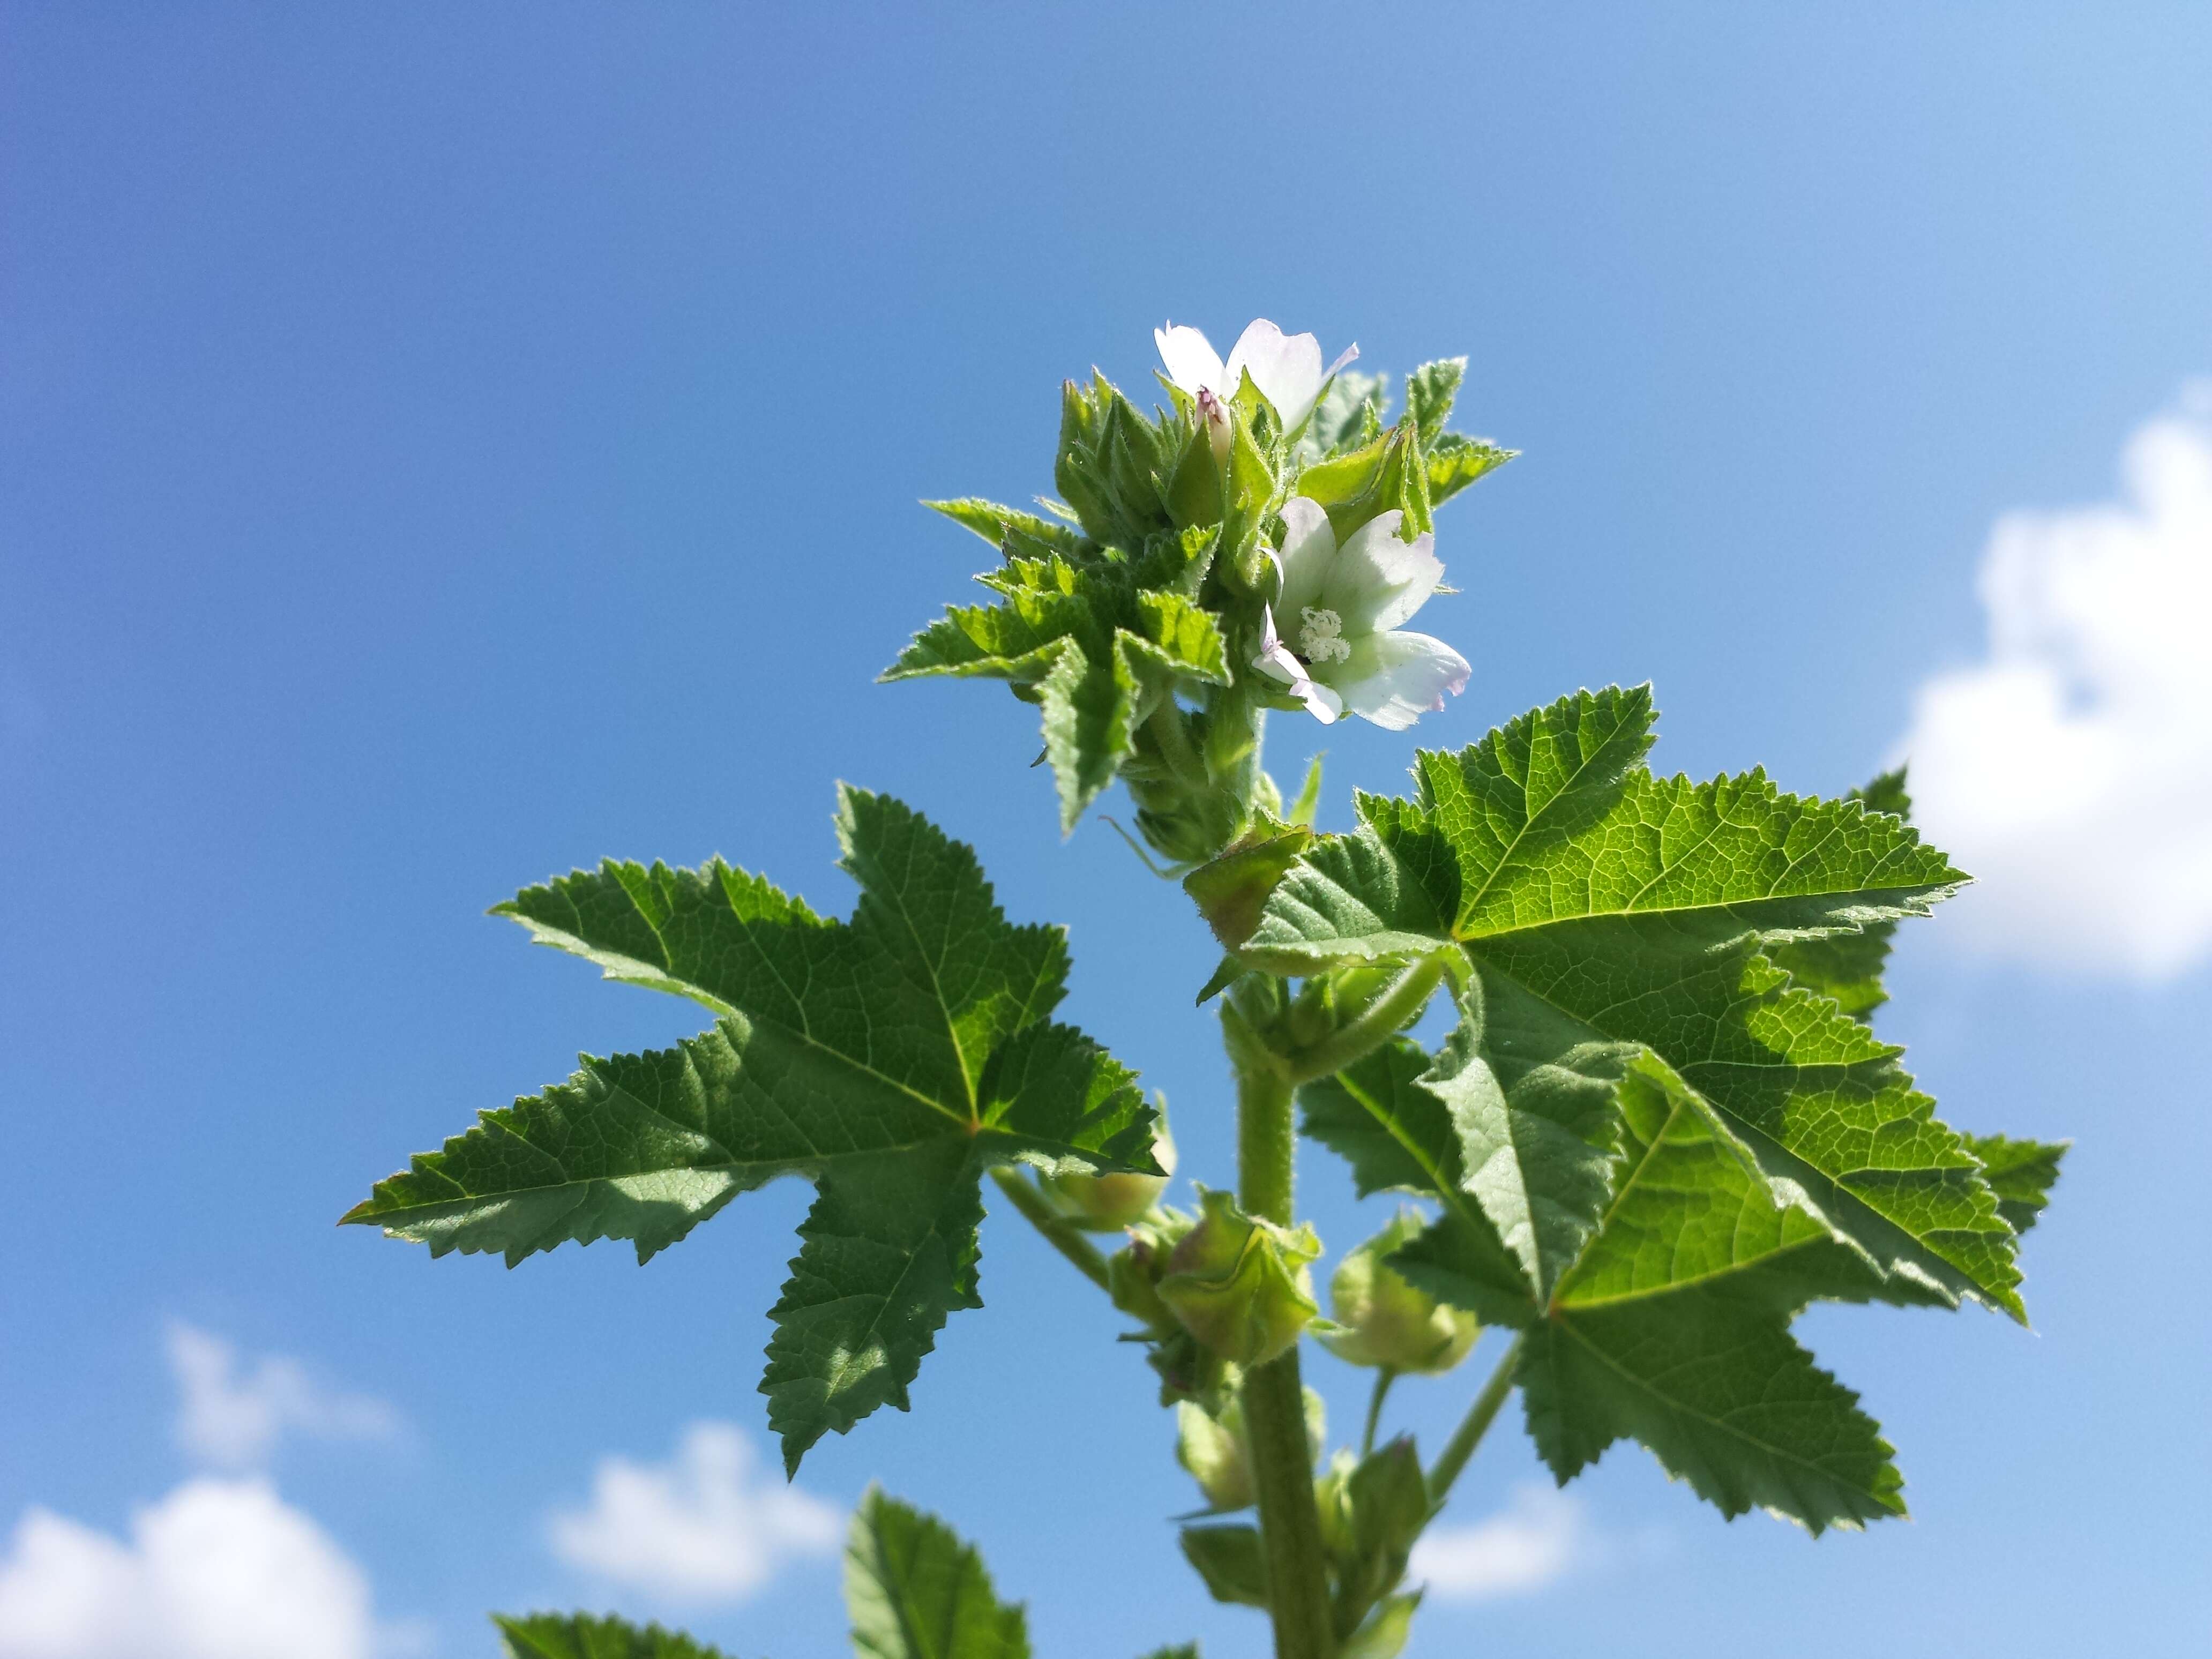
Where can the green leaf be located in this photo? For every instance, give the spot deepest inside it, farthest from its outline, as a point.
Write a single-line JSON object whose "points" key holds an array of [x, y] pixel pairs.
{"points": [[1721, 1392], [914, 1590], [1099, 645], [580, 1635], [1013, 532], [1187, 1650], [1456, 461], [1232, 1561], [1399, 1135], [889, 1059], [1672, 1327], [1430, 390], [1230, 891], [2021, 1173], [1641, 907], [1848, 966]]}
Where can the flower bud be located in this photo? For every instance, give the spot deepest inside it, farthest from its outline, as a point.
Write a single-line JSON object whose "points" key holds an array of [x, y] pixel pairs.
{"points": [[1217, 1455], [1108, 1203], [1133, 1275], [1384, 1321], [1219, 434], [1240, 1285]]}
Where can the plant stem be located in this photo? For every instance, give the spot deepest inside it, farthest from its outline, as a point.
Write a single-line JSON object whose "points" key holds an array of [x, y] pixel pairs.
{"points": [[1274, 1395], [1375, 1027], [1465, 1438], [1384, 1378], [1067, 1240]]}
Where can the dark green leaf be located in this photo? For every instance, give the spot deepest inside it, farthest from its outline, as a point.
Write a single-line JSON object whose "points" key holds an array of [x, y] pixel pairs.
{"points": [[889, 1059], [580, 1635], [1848, 966], [2020, 1172], [1640, 907], [914, 1590]]}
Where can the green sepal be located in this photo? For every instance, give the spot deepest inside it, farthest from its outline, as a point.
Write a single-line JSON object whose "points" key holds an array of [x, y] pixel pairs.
{"points": [[580, 1635], [1113, 465], [915, 1589], [889, 1059], [1231, 889], [1383, 1636], [1373, 480], [1371, 1512], [1231, 1560], [1241, 1285]]}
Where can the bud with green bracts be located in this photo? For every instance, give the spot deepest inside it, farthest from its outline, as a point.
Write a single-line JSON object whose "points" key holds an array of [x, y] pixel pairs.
{"points": [[1384, 1321], [1240, 1285], [1108, 1203], [1219, 1457]]}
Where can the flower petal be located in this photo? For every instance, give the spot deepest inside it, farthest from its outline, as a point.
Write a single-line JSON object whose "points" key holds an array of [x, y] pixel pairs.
{"points": [[1393, 679], [1191, 361], [1286, 367], [1275, 659], [1276, 662], [1377, 580], [1308, 549]]}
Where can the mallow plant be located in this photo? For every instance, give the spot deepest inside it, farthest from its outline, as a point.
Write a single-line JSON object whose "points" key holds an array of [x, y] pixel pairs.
{"points": [[1660, 1127]]}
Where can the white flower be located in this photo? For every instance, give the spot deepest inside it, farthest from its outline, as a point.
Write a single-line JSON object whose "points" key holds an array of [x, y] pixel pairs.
{"points": [[1286, 367], [1343, 606]]}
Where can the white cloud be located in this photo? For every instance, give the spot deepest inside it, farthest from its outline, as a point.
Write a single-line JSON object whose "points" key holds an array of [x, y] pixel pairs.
{"points": [[216, 1569], [1527, 1546], [708, 1525], [233, 1416], [2072, 770]]}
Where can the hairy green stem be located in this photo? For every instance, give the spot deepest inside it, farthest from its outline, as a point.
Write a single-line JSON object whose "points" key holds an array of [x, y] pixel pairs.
{"points": [[1376, 1026], [1274, 1395], [1465, 1438], [1384, 1378], [1067, 1240]]}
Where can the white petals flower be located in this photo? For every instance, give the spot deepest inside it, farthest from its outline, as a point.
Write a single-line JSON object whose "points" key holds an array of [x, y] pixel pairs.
{"points": [[1342, 607], [1286, 367]]}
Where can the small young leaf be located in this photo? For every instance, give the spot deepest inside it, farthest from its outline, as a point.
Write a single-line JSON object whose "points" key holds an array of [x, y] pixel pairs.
{"points": [[1100, 645], [1456, 461], [889, 1059], [580, 1635], [914, 1590], [1429, 391]]}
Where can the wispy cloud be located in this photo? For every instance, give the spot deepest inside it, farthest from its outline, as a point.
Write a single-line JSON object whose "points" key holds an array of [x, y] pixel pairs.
{"points": [[707, 1526], [2071, 770], [1532, 1543], [233, 1415], [219, 1569]]}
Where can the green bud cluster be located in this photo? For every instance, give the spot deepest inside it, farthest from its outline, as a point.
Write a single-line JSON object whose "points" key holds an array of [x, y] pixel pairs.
{"points": [[1383, 1320], [1240, 1285], [1109, 1203]]}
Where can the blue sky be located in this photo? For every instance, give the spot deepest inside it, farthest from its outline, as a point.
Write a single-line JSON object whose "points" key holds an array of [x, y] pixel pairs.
{"points": [[440, 447]]}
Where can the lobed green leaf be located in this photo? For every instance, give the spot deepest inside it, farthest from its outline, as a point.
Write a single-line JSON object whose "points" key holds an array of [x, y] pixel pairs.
{"points": [[889, 1059]]}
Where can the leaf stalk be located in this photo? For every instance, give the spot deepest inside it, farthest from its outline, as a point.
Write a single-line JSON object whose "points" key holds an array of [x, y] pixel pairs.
{"points": [[1465, 1438], [1068, 1240]]}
